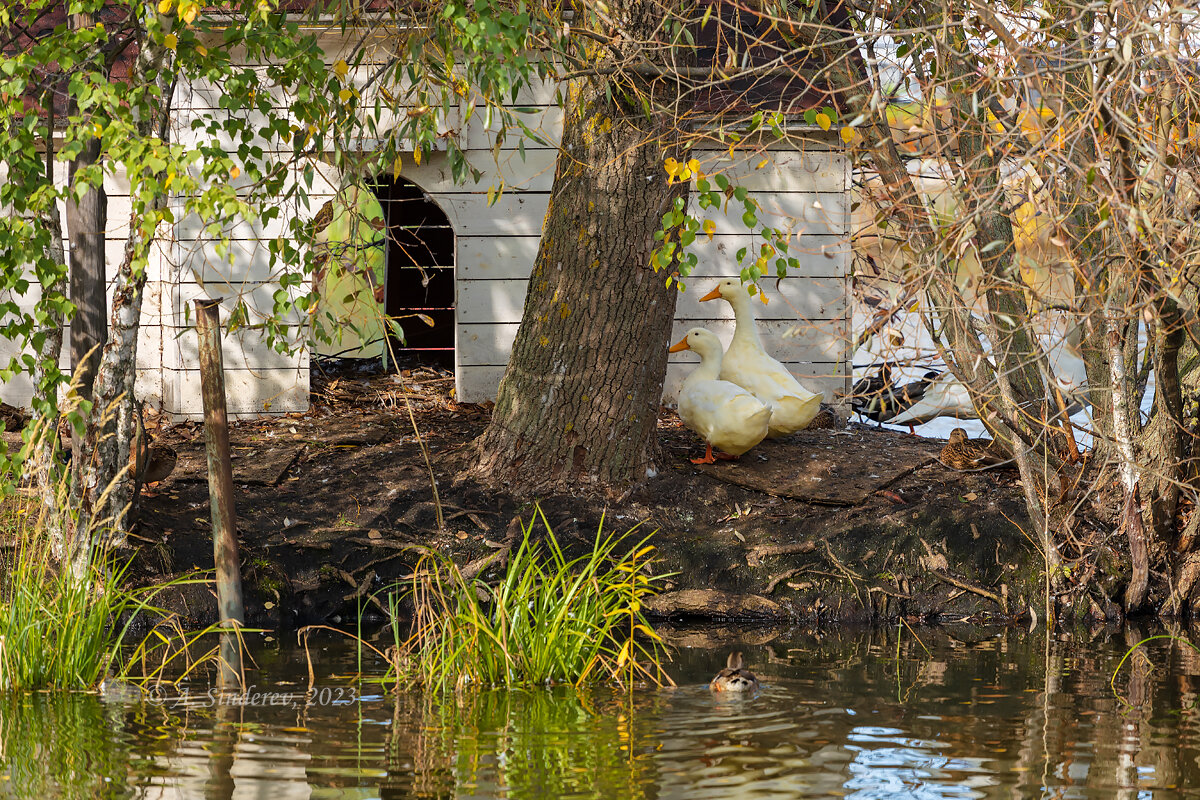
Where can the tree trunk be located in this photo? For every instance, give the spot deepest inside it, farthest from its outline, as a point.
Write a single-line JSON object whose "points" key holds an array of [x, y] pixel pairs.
{"points": [[46, 471], [102, 490], [87, 217], [86, 221], [579, 402]]}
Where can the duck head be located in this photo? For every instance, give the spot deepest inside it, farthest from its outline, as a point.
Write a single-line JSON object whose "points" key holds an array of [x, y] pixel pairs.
{"points": [[722, 290], [958, 436], [732, 290], [735, 677], [703, 341]]}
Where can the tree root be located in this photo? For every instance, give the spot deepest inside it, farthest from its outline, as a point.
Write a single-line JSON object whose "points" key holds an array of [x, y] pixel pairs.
{"points": [[971, 587]]}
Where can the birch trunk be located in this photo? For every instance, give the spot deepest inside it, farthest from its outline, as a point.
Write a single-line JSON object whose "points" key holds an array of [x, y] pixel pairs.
{"points": [[103, 489], [47, 474]]}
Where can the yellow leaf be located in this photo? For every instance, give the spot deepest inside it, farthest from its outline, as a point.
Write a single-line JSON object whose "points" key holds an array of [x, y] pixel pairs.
{"points": [[623, 656], [170, 41], [169, 180], [710, 228], [824, 121], [233, 173], [340, 68], [164, 6], [417, 156], [671, 166], [397, 165], [762, 163], [189, 16], [201, 49], [847, 134], [344, 95], [694, 166]]}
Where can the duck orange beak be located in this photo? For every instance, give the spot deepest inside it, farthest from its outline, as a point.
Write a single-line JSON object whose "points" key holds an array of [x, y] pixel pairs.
{"points": [[715, 294], [679, 346]]}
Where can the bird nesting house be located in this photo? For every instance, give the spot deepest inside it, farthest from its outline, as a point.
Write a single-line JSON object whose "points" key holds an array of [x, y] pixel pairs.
{"points": [[441, 251]]}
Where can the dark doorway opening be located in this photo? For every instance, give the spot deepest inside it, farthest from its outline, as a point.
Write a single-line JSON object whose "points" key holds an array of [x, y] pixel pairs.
{"points": [[419, 285]]}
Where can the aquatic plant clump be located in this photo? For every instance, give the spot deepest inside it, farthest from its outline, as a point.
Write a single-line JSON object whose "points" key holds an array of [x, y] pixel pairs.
{"points": [[550, 618], [68, 625]]}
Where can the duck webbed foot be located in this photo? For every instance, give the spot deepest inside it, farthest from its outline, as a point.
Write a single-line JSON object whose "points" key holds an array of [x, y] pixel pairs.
{"points": [[707, 459]]}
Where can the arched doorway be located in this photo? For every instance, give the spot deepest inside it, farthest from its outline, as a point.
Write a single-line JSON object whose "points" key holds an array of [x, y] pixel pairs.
{"points": [[419, 283]]}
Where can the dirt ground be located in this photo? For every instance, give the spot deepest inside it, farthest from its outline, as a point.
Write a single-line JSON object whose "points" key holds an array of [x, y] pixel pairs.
{"points": [[830, 525]]}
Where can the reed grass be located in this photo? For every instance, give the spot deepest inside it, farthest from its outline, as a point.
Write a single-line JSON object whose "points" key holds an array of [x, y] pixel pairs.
{"points": [[549, 619], [60, 630], [70, 625]]}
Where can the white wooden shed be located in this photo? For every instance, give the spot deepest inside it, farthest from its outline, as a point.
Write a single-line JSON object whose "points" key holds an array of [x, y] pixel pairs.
{"points": [[482, 259]]}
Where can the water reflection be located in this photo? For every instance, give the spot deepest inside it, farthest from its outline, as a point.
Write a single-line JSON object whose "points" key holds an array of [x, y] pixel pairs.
{"points": [[956, 714]]}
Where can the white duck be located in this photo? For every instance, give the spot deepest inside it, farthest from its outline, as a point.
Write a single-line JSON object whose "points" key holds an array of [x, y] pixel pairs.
{"points": [[726, 416], [747, 364], [944, 396]]}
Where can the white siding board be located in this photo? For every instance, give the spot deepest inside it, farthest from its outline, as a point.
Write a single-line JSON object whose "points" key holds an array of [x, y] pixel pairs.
{"points": [[511, 215], [512, 257], [477, 384], [792, 341], [785, 171], [258, 297], [535, 173], [806, 213], [201, 263], [244, 349], [803, 298], [249, 393]]}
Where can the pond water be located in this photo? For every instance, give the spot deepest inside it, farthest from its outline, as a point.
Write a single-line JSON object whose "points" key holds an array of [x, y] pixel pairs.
{"points": [[955, 713]]}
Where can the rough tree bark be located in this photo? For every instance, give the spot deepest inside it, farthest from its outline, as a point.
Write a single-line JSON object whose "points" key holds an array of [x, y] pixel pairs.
{"points": [[102, 491], [49, 340], [579, 402], [87, 217]]}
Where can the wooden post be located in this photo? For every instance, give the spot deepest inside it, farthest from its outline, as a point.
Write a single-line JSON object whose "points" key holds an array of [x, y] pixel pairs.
{"points": [[220, 484]]}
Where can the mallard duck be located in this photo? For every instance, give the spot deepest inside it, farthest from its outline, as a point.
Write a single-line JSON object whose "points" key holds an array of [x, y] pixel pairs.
{"points": [[965, 454], [735, 677], [747, 364], [877, 398], [870, 396], [726, 416], [149, 461], [827, 419]]}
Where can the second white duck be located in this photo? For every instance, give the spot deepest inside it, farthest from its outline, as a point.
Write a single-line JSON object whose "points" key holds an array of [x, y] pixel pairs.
{"points": [[747, 364], [726, 416]]}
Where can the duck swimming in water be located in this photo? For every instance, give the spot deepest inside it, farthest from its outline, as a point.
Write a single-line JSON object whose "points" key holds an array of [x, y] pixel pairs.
{"points": [[735, 677]]}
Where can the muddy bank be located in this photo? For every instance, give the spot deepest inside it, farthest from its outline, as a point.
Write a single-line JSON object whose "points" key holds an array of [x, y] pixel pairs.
{"points": [[832, 525]]}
